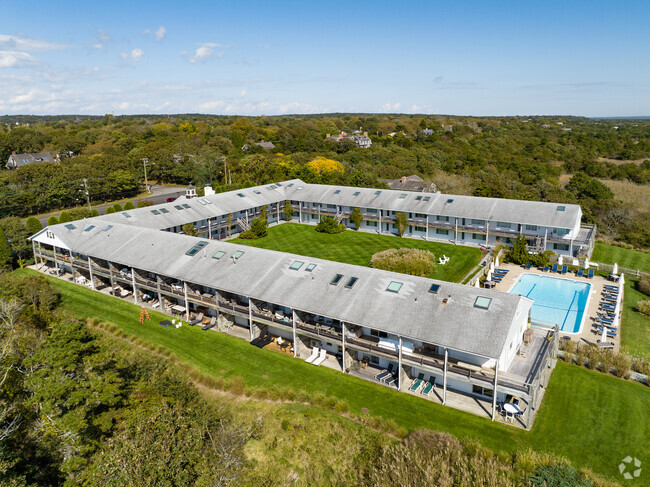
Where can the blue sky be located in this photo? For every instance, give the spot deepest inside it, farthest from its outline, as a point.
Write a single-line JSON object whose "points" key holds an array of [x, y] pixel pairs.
{"points": [[244, 57]]}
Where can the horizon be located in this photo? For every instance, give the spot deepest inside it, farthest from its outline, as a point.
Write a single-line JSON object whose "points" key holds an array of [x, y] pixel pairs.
{"points": [[255, 58]]}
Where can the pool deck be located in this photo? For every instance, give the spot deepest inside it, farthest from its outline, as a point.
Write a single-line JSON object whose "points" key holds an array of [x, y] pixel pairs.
{"points": [[588, 332]]}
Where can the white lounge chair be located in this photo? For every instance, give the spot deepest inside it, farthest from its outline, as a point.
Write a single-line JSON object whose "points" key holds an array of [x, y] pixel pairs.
{"points": [[321, 358], [313, 355]]}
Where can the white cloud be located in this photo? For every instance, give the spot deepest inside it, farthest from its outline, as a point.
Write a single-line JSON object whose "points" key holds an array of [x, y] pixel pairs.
{"points": [[146, 31], [243, 92], [16, 59], [136, 54], [16, 43], [391, 107], [203, 52], [259, 107], [161, 33], [102, 39]]}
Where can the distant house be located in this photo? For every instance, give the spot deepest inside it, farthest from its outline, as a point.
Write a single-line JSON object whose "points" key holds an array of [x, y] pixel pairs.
{"points": [[19, 160], [447, 128], [546, 126], [426, 132], [410, 183], [265, 145], [362, 141]]}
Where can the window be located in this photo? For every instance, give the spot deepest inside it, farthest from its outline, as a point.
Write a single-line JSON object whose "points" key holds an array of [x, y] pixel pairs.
{"points": [[257, 191], [356, 193], [418, 198], [561, 208], [337, 191], [561, 231], [402, 196], [478, 236], [351, 282], [426, 198], [336, 280], [532, 228], [420, 229], [478, 222], [155, 212], [434, 288], [310, 267], [237, 254], [377, 193], [296, 265], [394, 287], [185, 205], [557, 246], [126, 215], [482, 391], [219, 255], [377, 333], [482, 302], [88, 229], [503, 224], [164, 210], [241, 195], [49, 234], [178, 207], [371, 224], [439, 231], [107, 228], [70, 226]]}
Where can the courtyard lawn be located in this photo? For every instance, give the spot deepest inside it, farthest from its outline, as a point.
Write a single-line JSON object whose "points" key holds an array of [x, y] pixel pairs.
{"points": [[630, 259], [591, 419], [635, 329], [357, 248]]}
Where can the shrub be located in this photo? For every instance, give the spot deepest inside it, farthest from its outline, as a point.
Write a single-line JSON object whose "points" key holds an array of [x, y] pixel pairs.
{"points": [[643, 307], [558, 476], [303, 396], [415, 262], [248, 235], [286, 425], [260, 393], [341, 406], [622, 365], [330, 402], [288, 394], [356, 218], [402, 223], [109, 210], [288, 211], [94, 212], [128, 205], [144, 203], [93, 321], [237, 386], [33, 225], [52, 220], [641, 366], [64, 217], [117, 207], [643, 285], [328, 224]]}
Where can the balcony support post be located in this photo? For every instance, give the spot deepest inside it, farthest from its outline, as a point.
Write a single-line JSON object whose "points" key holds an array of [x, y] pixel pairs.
{"points": [[456, 231], [187, 303], [399, 365], [90, 271], [545, 236], [444, 378], [135, 289], [494, 394], [160, 298], [295, 341], [110, 272], [74, 273], [426, 229]]}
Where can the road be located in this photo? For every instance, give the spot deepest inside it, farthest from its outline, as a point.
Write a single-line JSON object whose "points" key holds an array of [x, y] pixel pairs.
{"points": [[159, 194]]}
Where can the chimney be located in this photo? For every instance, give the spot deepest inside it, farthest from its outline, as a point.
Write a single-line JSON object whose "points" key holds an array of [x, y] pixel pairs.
{"points": [[327, 136], [13, 153], [208, 191], [403, 179], [366, 134]]}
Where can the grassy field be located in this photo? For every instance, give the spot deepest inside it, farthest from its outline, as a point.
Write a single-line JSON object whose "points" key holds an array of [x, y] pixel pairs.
{"points": [[635, 332], [357, 248], [631, 259], [591, 419], [629, 192]]}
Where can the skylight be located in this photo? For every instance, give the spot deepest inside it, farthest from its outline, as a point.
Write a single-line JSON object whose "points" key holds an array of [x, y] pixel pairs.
{"points": [[377, 192], [126, 215], [561, 208], [107, 228], [450, 200], [88, 229], [402, 196], [434, 288], [195, 249], [70, 226], [164, 210], [418, 198], [482, 302], [155, 212], [356, 193], [241, 195], [337, 279], [178, 207], [219, 255], [394, 287], [257, 191], [202, 201], [296, 265], [289, 185], [310, 267], [426, 198], [237, 254], [299, 187], [185, 205], [351, 282], [337, 191]]}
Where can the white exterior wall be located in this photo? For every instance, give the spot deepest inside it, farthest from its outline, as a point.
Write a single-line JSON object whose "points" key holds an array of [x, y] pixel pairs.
{"points": [[515, 335]]}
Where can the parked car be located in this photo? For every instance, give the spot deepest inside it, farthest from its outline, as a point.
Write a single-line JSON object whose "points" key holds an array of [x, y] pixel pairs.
{"points": [[169, 200]]}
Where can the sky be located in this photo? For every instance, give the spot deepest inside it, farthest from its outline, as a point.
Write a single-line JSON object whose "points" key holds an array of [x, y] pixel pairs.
{"points": [[589, 58]]}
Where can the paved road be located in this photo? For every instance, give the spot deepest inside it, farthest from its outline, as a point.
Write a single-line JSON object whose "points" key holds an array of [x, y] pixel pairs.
{"points": [[159, 194]]}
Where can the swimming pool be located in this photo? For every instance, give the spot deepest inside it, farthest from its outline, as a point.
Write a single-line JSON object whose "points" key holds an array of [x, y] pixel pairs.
{"points": [[556, 301]]}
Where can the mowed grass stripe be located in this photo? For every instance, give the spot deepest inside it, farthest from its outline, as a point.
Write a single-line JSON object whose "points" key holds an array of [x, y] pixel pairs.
{"points": [[591, 419], [357, 248], [630, 259]]}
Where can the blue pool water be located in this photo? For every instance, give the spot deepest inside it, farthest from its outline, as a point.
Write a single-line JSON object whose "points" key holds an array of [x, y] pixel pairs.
{"points": [[556, 301]]}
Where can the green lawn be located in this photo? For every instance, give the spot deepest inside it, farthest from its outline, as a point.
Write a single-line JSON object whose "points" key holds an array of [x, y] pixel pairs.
{"points": [[591, 419], [635, 329], [631, 259], [357, 248]]}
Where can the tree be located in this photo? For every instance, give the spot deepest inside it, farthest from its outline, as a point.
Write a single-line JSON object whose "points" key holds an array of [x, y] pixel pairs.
{"points": [[585, 187], [229, 223], [189, 229], [288, 211], [6, 256], [519, 252], [260, 225], [94, 212], [117, 207], [356, 217], [322, 165], [64, 217], [128, 205], [329, 224], [33, 225], [52, 220], [402, 223], [144, 203]]}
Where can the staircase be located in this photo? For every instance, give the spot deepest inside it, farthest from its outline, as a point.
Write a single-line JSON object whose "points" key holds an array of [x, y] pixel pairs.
{"points": [[244, 224]]}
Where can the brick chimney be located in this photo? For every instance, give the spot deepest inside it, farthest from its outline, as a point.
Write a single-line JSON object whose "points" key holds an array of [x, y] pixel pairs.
{"points": [[327, 136], [13, 153], [366, 134], [403, 179]]}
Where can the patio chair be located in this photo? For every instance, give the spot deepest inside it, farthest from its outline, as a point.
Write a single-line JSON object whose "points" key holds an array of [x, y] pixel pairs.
{"points": [[385, 373], [197, 320], [609, 286], [207, 326], [501, 271], [590, 274], [604, 319], [610, 333], [521, 411], [321, 358], [529, 266], [313, 355], [554, 268], [417, 383], [565, 268], [545, 268], [389, 380], [430, 385], [580, 272]]}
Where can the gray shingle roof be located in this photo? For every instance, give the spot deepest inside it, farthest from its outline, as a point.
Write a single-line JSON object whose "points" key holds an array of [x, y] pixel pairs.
{"points": [[264, 274]]}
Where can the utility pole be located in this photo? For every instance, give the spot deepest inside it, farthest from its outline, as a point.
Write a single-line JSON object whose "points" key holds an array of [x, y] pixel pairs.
{"points": [[87, 194], [145, 161]]}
